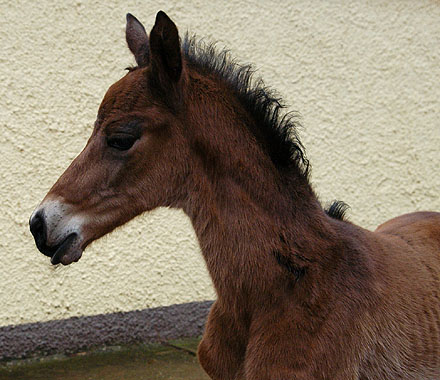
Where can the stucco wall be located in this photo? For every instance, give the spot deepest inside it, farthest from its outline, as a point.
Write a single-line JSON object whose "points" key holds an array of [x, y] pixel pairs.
{"points": [[365, 76]]}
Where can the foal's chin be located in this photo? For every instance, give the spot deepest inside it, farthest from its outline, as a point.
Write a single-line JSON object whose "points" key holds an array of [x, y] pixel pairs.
{"points": [[68, 258], [68, 252]]}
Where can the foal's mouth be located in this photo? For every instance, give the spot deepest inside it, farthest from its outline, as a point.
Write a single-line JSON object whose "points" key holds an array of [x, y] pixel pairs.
{"points": [[57, 252]]}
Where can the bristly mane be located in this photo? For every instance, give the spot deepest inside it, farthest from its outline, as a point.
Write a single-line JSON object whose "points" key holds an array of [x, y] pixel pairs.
{"points": [[337, 210], [277, 133]]}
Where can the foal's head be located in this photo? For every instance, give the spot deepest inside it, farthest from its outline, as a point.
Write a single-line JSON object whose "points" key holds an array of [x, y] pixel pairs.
{"points": [[173, 120], [136, 158]]}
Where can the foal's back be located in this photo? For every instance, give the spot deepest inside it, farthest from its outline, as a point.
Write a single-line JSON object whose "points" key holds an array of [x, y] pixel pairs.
{"points": [[409, 321], [414, 221], [419, 230]]}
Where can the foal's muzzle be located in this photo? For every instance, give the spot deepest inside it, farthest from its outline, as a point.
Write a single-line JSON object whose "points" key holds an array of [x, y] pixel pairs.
{"points": [[38, 228], [56, 235]]}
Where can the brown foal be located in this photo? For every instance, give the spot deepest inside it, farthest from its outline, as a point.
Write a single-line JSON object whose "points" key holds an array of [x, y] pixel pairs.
{"points": [[302, 293]]}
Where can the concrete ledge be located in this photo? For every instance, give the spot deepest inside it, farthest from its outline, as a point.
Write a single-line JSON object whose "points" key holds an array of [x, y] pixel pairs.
{"points": [[80, 333]]}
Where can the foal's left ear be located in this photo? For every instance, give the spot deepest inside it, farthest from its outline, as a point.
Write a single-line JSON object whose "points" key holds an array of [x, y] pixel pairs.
{"points": [[137, 40], [165, 48]]}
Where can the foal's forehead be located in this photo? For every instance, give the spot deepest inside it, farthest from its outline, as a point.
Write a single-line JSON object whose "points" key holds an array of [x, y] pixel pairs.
{"points": [[128, 94]]}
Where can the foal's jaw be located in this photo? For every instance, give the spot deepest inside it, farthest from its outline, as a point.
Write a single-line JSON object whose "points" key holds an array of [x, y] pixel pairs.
{"points": [[58, 231]]}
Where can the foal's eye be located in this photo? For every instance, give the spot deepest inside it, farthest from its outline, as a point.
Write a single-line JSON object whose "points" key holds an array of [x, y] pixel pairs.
{"points": [[121, 141]]}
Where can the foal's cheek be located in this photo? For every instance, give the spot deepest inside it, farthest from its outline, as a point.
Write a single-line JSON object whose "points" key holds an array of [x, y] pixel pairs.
{"points": [[112, 176]]}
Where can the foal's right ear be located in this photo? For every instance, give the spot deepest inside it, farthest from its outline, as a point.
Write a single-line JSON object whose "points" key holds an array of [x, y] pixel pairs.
{"points": [[166, 57], [137, 40]]}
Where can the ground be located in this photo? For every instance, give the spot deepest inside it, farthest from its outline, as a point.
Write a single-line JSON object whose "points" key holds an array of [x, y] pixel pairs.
{"points": [[172, 361]]}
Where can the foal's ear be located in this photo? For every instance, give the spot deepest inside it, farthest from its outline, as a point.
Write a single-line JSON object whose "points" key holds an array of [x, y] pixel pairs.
{"points": [[165, 48], [137, 40]]}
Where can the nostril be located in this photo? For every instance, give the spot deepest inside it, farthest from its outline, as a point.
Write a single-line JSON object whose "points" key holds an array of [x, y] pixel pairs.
{"points": [[36, 223], [38, 228]]}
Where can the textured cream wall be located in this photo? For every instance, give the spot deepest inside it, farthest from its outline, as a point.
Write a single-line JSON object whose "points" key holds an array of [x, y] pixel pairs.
{"points": [[365, 76]]}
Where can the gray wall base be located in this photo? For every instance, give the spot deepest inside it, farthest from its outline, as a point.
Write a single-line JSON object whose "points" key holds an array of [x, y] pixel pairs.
{"points": [[80, 333]]}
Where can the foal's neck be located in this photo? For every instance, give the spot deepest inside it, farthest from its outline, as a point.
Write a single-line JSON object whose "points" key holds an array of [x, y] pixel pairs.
{"points": [[242, 219], [243, 208]]}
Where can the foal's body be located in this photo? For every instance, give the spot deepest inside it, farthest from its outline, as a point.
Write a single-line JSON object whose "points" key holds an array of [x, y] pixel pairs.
{"points": [[302, 294], [367, 307]]}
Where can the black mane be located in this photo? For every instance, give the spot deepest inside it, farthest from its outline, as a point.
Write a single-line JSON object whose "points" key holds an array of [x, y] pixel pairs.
{"points": [[337, 210], [277, 133]]}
